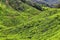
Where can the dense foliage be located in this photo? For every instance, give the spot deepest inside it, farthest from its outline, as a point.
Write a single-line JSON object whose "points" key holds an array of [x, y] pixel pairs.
{"points": [[28, 23]]}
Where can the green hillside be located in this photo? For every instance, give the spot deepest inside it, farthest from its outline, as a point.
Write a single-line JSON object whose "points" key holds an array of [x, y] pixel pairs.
{"points": [[30, 24]]}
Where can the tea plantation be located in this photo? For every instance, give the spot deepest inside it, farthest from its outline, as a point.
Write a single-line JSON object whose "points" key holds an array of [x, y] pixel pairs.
{"points": [[30, 24]]}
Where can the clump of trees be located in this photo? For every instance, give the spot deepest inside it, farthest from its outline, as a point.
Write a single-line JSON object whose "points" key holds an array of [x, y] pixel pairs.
{"points": [[16, 4], [57, 5], [33, 4]]}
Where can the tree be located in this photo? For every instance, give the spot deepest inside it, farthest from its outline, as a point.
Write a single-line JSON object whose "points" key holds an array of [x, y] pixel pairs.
{"points": [[23, 1], [6, 1], [15, 4], [33, 4], [56, 5]]}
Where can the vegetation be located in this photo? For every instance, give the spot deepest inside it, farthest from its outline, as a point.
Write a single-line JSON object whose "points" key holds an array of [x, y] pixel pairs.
{"points": [[57, 5], [28, 23]]}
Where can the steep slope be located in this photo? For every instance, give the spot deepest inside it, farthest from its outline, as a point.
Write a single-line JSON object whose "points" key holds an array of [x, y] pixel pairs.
{"points": [[30, 24]]}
